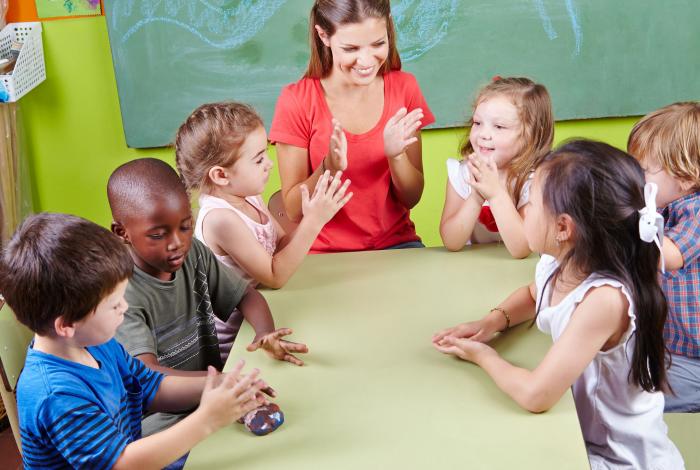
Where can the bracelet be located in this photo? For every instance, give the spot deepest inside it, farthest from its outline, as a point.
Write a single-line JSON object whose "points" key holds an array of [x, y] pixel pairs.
{"points": [[505, 314]]}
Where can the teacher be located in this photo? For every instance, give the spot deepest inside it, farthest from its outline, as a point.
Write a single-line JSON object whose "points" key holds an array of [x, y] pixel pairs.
{"points": [[354, 111]]}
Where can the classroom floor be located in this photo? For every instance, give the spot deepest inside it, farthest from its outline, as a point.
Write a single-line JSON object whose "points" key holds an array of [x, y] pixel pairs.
{"points": [[11, 459]]}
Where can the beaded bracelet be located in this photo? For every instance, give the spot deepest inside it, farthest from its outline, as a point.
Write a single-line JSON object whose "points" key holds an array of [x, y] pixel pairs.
{"points": [[502, 310]]}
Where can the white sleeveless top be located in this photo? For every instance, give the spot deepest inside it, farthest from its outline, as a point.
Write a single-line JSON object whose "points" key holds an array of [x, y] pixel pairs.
{"points": [[622, 424], [458, 176], [264, 233]]}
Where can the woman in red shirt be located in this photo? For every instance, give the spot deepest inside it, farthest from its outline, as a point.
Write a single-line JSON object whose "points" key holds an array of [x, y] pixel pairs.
{"points": [[354, 111]]}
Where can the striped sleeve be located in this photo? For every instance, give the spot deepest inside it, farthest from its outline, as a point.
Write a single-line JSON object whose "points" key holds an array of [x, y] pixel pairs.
{"points": [[148, 379], [80, 432]]}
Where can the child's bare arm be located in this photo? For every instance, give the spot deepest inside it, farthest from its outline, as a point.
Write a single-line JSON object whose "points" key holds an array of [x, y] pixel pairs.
{"points": [[459, 217], [222, 402], [184, 393], [508, 218], [151, 361], [257, 313], [600, 318], [673, 258], [274, 271], [179, 393], [510, 225], [518, 306]]}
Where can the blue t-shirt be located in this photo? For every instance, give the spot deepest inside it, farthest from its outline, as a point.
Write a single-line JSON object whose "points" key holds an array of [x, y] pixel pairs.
{"points": [[73, 416]]}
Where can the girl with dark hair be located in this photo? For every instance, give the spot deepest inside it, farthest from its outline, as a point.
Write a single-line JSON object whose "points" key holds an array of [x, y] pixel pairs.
{"points": [[596, 292], [354, 111]]}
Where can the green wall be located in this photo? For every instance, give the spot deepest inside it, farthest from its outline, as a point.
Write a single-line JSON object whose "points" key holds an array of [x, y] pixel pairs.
{"points": [[74, 135]]}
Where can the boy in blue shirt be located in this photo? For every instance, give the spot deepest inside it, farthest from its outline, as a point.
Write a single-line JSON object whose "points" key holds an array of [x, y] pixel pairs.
{"points": [[81, 396]]}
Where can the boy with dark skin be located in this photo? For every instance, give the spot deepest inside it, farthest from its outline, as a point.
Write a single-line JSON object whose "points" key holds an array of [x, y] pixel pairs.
{"points": [[178, 285]]}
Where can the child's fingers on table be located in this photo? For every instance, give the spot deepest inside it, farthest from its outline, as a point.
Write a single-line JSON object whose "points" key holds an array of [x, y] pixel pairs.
{"points": [[442, 333], [446, 349], [279, 333], [269, 391], [255, 344], [291, 346], [481, 336], [294, 360]]}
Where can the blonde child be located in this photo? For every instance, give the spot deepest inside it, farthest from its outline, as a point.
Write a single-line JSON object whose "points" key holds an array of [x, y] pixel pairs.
{"points": [[221, 151], [667, 144], [512, 128], [596, 292]]}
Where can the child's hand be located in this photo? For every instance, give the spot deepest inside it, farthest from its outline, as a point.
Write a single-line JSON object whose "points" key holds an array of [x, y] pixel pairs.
{"points": [[328, 197], [229, 396], [485, 177], [399, 131], [463, 348], [278, 348], [474, 193], [480, 331], [337, 158]]}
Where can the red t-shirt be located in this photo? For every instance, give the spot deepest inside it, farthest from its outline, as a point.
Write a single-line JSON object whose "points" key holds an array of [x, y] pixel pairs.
{"points": [[374, 218]]}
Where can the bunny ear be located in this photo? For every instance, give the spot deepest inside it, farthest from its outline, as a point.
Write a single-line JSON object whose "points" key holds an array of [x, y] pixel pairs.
{"points": [[651, 223], [650, 192]]}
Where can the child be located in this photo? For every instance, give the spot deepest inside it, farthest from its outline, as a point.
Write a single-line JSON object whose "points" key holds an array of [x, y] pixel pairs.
{"points": [[178, 287], [667, 144], [221, 151], [512, 129], [80, 395], [596, 292]]}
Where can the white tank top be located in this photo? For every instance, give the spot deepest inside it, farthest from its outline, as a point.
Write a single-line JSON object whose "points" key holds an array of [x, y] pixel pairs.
{"points": [[621, 423], [265, 233]]}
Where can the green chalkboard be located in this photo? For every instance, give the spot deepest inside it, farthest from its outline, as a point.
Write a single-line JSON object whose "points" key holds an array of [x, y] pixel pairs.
{"points": [[597, 57]]}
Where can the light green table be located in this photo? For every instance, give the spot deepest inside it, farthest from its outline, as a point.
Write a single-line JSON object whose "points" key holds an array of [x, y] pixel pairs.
{"points": [[374, 394]]}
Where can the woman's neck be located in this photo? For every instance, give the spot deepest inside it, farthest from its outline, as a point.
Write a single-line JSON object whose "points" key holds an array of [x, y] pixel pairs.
{"points": [[335, 85]]}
